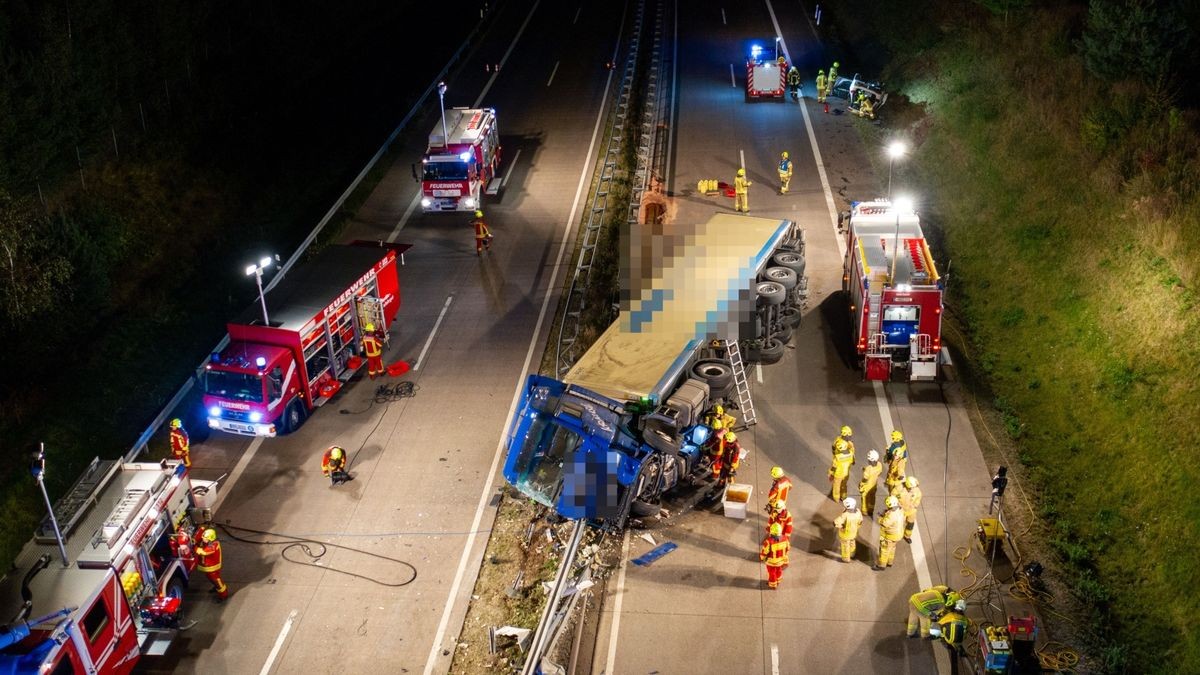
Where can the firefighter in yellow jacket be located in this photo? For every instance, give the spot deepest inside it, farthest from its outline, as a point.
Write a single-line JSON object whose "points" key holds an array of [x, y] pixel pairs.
{"points": [[741, 198], [909, 494], [774, 553], [927, 606], [847, 525], [844, 434], [896, 456], [869, 485], [785, 172], [891, 529], [820, 86], [839, 473]]}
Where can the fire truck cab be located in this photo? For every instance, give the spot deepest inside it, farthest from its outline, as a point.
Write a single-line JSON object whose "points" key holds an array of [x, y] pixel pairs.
{"points": [[118, 595], [461, 162], [894, 291], [766, 75]]}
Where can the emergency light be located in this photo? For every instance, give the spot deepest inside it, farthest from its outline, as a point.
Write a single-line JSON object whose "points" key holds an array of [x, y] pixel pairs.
{"points": [[755, 51], [214, 411], [255, 417], [261, 362], [466, 156]]}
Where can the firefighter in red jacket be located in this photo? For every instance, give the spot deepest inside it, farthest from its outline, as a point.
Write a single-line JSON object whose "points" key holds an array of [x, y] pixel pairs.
{"points": [[209, 550], [728, 458], [780, 488], [333, 465], [774, 553], [483, 234], [180, 446], [778, 513], [374, 351]]}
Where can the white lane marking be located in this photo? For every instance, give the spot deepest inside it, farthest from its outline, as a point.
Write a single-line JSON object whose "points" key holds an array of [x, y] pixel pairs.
{"points": [[812, 142], [417, 198], [533, 340], [732, 82], [723, 21], [437, 324], [742, 158], [283, 633], [553, 73], [671, 115], [619, 597], [577, 15], [758, 372], [513, 163], [234, 475], [774, 659]]}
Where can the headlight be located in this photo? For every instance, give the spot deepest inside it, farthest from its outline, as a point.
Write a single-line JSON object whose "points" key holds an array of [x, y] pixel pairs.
{"points": [[214, 411], [469, 202], [426, 202], [213, 424], [255, 417]]}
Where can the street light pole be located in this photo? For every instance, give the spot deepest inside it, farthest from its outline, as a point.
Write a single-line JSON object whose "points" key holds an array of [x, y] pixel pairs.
{"points": [[895, 150], [442, 104], [257, 271]]}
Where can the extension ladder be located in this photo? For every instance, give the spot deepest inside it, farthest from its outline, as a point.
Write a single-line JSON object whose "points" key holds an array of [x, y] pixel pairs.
{"points": [[745, 404]]}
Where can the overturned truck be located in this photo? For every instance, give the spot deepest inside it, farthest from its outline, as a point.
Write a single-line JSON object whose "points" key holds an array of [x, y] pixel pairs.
{"points": [[625, 425]]}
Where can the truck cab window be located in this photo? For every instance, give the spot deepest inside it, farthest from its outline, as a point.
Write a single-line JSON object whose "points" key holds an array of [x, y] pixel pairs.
{"points": [[275, 384], [95, 620]]}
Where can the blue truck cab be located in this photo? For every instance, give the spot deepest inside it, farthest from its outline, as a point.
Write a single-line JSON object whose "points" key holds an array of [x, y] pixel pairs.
{"points": [[625, 424]]}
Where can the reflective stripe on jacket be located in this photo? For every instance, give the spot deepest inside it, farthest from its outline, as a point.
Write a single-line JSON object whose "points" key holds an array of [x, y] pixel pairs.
{"points": [[775, 551], [210, 556]]}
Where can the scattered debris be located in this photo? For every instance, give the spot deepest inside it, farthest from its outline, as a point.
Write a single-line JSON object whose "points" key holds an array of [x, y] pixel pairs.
{"points": [[647, 558], [649, 539], [521, 635]]}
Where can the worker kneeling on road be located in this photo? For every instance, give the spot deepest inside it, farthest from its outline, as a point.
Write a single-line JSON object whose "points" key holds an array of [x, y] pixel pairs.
{"points": [[333, 465], [785, 172], [952, 626], [774, 553], [483, 234], [927, 606], [209, 550], [847, 526], [741, 196]]}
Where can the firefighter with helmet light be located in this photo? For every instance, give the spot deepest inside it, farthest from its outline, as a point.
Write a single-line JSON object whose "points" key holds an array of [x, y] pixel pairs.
{"points": [[333, 465], [181, 447], [373, 347], [483, 234], [209, 551]]}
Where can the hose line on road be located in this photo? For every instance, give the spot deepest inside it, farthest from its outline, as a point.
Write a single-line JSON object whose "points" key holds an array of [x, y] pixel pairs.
{"points": [[387, 393], [315, 550]]}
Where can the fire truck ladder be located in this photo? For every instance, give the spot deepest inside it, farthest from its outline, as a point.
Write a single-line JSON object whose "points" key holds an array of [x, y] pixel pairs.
{"points": [[874, 312], [745, 404]]}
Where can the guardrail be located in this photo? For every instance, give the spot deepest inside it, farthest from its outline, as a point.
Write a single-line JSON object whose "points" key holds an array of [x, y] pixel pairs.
{"points": [[140, 445], [555, 613]]}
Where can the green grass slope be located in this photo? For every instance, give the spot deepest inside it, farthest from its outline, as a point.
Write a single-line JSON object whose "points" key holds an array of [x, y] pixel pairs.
{"points": [[1069, 209]]}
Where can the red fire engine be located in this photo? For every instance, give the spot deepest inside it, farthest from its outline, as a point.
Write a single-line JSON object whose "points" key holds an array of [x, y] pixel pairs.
{"points": [[894, 291], [457, 172], [117, 595], [765, 77], [270, 378]]}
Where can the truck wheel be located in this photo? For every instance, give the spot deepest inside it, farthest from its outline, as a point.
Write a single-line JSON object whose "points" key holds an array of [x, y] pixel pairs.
{"points": [[176, 587], [782, 332], [772, 351], [716, 373], [643, 509], [791, 260], [293, 416], [790, 316], [771, 292], [784, 276]]}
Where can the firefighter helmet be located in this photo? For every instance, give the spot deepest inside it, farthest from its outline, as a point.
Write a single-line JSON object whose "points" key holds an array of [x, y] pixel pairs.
{"points": [[840, 445], [209, 535], [479, 214], [891, 503], [778, 506], [776, 472], [849, 503], [836, 64], [846, 432], [336, 452], [176, 423], [952, 598], [718, 409], [776, 529], [873, 456], [897, 436], [370, 327], [718, 425], [784, 154], [741, 172], [730, 437], [911, 482]]}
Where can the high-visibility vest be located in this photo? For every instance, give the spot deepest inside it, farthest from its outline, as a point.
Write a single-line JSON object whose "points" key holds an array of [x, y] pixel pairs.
{"points": [[841, 464], [775, 551], [870, 476], [779, 490], [785, 167], [833, 446], [891, 526], [210, 556], [847, 524], [179, 442], [909, 499], [481, 228], [372, 346], [784, 519], [740, 184], [931, 600]]}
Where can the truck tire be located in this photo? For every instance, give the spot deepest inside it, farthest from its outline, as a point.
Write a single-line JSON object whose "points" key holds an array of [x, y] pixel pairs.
{"points": [[784, 276], [771, 352], [771, 292], [176, 587], [717, 374], [293, 416], [791, 316], [643, 509], [782, 332], [791, 260]]}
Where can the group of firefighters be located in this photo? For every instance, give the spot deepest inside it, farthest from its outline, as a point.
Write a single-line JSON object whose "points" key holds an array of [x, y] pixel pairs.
{"points": [[897, 521]]}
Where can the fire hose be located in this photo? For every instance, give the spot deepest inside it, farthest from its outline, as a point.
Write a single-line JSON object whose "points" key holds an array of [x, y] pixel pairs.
{"points": [[314, 550]]}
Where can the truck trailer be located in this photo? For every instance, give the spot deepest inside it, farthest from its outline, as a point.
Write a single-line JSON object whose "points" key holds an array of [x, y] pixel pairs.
{"points": [[270, 378], [624, 426], [894, 291], [118, 594], [460, 163]]}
